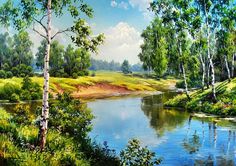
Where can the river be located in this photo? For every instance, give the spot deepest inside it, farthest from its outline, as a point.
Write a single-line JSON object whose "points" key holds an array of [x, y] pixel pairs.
{"points": [[175, 135]]}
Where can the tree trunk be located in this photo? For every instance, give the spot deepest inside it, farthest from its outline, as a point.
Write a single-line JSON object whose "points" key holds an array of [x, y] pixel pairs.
{"points": [[227, 68], [185, 82], [203, 71], [45, 106], [210, 58], [208, 75], [232, 67]]}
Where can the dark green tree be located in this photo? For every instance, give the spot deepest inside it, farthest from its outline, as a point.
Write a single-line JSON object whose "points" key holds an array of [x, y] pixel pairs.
{"points": [[125, 67]]}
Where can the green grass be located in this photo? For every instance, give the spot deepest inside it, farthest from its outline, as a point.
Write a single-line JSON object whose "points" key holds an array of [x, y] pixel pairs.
{"points": [[114, 78], [202, 101]]}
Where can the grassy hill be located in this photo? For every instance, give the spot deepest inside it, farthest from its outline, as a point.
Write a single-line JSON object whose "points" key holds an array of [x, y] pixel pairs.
{"points": [[103, 83], [202, 101]]}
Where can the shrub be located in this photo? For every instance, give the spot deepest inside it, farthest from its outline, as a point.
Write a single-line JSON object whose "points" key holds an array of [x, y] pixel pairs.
{"points": [[27, 83], [15, 71], [2, 74], [71, 116], [36, 96], [9, 89], [134, 154], [25, 95], [14, 98], [75, 75], [9, 74], [93, 74]]}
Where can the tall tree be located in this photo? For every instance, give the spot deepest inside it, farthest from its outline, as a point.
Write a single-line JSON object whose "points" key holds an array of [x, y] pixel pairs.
{"points": [[40, 54], [125, 67], [154, 49], [25, 13], [21, 49], [56, 62]]}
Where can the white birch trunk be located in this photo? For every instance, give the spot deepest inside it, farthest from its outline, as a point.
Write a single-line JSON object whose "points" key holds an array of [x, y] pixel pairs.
{"points": [[210, 58], [203, 71], [227, 67], [45, 106], [232, 67], [185, 81]]}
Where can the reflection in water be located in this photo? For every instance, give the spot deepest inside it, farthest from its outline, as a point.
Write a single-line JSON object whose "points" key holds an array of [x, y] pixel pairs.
{"points": [[29, 106], [175, 135], [161, 119]]}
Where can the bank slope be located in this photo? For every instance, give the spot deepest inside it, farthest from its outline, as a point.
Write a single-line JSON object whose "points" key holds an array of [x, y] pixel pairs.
{"points": [[202, 101], [104, 84]]}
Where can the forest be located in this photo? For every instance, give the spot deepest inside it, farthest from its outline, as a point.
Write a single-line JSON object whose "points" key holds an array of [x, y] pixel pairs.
{"points": [[49, 99]]}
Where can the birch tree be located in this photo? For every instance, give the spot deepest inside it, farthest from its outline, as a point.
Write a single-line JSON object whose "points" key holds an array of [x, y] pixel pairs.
{"points": [[27, 13]]}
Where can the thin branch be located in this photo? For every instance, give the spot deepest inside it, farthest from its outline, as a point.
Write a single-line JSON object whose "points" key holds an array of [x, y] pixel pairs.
{"points": [[59, 32], [45, 15], [40, 22], [35, 30]]}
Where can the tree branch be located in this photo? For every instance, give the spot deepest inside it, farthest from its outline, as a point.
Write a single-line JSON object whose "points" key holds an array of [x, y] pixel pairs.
{"points": [[42, 35], [40, 22], [59, 32]]}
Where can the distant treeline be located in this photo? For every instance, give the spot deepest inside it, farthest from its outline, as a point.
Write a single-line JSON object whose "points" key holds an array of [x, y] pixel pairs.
{"points": [[112, 66]]}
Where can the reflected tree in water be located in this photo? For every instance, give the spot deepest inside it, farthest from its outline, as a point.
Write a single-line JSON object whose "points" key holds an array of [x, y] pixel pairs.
{"points": [[162, 119]]}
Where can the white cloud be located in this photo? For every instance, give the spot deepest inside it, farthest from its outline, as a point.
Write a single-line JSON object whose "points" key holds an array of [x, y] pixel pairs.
{"points": [[122, 42], [121, 5], [143, 6], [113, 3]]}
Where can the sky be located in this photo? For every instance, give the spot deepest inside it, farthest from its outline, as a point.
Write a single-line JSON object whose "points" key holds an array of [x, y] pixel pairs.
{"points": [[121, 21]]}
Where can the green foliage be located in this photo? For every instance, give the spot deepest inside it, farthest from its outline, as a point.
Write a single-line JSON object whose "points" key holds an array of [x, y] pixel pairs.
{"points": [[3, 74], [125, 67], [65, 63], [14, 98], [134, 154], [9, 74], [71, 117], [14, 93], [201, 100]]}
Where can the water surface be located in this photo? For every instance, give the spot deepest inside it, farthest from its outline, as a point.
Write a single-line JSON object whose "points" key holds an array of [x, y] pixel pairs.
{"points": [[173, 134]]}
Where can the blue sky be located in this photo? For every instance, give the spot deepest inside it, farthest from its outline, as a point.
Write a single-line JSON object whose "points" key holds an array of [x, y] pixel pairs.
{"points": [[122, 22]]}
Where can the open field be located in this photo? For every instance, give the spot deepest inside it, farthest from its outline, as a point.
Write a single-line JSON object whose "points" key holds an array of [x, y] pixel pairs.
{"points": [[104, 84]]}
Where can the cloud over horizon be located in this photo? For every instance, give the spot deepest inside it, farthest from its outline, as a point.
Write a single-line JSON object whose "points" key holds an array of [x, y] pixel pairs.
{"points": [[122, 42]]}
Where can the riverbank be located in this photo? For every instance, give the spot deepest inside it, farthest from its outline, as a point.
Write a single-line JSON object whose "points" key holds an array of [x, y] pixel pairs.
{"points": [[201, 101], [102, 85]]}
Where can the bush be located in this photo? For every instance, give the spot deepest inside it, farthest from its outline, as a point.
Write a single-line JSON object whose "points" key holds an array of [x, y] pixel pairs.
{"points": [[134, 154], [3, 74], [9, 74], [14, 98], [15, 71], [75, 75], [93, 74], [71, 116], [36, 96], [9, 89], [25, 95]]}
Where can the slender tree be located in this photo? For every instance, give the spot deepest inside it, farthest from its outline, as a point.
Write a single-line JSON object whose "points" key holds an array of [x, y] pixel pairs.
{"points": [[24, 13]]}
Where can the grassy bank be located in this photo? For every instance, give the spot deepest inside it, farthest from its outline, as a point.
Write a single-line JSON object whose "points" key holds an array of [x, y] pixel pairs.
{"points": [[202, 101], [103, 83]]}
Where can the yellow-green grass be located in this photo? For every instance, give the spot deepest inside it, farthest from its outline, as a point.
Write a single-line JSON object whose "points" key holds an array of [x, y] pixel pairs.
{"points": [[203, 101], [114, 78]]}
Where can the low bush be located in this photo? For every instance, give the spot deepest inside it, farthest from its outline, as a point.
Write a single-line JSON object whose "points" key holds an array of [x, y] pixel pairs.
{"points": [[3, 74], [14, 98], [134, 154]]}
